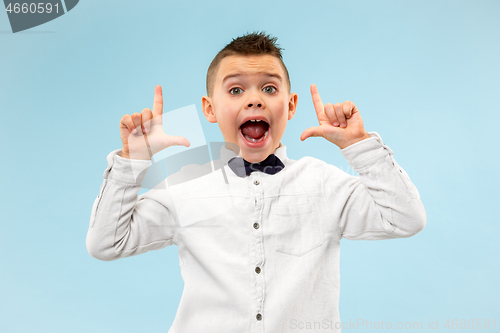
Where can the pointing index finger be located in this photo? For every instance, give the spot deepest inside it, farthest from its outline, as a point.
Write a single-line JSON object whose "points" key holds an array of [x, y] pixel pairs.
{"points": [[158, 102], [318, 104]]}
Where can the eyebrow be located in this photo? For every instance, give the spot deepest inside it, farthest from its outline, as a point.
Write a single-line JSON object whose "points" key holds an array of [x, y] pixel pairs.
{"points": [[241, 74]]}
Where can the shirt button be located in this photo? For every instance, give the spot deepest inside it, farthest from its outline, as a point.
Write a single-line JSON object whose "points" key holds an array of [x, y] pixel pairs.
{"points": [[256, 182], [256, 225], [258, 316], [257, 270]]}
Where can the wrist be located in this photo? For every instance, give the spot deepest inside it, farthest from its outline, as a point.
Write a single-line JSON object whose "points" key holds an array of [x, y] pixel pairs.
{"points": [[137, 156], [349, 143], [125, 153]]}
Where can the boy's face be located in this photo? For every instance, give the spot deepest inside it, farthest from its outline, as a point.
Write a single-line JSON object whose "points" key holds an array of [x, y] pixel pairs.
{"points": [[251, 88]]}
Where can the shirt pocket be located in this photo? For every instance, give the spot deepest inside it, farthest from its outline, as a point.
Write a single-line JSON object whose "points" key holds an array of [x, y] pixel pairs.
{"points": [[296, 227]]}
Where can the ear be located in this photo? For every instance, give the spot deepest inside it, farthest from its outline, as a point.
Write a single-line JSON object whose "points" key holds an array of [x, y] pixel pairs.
{"points": [[208, 109], [292, 105]]}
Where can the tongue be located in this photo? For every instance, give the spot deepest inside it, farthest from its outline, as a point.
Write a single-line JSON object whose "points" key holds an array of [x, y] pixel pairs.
{"points": [[254, 129]]}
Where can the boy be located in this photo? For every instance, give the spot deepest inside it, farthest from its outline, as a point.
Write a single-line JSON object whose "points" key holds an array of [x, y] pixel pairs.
{"points": [[260, 252]]}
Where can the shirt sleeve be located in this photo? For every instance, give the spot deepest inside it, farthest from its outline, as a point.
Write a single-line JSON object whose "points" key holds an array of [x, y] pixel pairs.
{"points": [[123, 224], [381, 202]]}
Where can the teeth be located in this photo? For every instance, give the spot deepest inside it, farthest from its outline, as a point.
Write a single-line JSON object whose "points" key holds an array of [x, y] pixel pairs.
{"points": [[254, 120]]}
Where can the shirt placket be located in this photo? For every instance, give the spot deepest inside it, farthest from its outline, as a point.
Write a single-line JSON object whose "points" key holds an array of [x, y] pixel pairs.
{"points": [[258, 260]]}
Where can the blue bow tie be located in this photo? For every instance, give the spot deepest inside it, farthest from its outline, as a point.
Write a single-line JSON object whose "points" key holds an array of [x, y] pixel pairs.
{"points": [[271, 165]]}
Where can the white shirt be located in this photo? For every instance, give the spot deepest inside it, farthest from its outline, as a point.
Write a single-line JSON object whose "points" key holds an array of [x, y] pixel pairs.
{"points": [[258, 253]]}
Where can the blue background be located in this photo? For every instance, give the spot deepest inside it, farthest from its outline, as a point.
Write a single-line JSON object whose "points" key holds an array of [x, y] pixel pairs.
{"points": [[425, 75]]}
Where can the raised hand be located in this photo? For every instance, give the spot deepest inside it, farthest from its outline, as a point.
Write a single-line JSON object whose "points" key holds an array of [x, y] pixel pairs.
{"points": [[341, 124], [142, 133]]}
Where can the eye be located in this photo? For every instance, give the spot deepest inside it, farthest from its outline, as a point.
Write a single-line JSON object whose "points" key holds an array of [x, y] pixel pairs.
{"points": [[270, 89], [239, 89]]}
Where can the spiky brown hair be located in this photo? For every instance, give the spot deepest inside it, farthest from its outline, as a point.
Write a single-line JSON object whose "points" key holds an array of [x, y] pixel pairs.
{"points": [[255, 43]]}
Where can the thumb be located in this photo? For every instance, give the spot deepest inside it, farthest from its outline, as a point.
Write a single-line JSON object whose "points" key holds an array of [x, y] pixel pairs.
{"points": [[312, 131], [177, 140]]}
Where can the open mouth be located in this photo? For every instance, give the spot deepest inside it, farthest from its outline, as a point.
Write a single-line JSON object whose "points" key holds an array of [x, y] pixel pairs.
{"points": [[255, 130]]}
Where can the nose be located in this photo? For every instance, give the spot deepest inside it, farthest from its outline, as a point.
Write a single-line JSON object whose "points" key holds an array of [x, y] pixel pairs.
{"points": [[254, 100], [258, 105]]}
